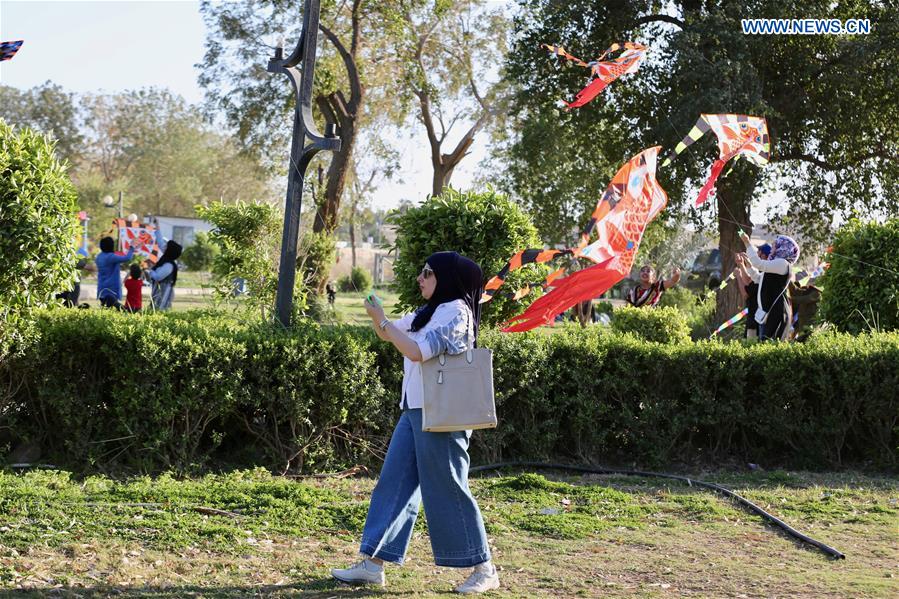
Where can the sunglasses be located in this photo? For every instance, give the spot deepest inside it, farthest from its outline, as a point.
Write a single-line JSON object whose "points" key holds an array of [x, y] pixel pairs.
{"points": [[426, 272]]}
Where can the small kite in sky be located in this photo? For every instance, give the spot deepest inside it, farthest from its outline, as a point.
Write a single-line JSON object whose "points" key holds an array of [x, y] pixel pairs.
{"points": [[739, 136], [602, 72], [9, 49]]}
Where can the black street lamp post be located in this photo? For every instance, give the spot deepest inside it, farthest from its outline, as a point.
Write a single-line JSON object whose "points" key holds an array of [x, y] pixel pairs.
{"points": [[301, 153]]}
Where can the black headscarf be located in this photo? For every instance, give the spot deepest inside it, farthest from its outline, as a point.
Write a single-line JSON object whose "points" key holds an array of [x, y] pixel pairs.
{"points": [[172, 252], [457, 278]]}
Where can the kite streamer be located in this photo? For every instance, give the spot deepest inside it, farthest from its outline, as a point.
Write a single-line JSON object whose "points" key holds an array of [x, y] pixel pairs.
{"points": [[731, 321]]}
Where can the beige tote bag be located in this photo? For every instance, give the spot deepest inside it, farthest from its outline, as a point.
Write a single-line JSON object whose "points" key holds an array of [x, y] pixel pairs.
{"points": [[458, 392]]}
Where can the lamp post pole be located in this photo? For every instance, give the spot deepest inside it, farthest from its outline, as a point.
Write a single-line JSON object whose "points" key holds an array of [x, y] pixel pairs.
{"points": [[301, 153]]}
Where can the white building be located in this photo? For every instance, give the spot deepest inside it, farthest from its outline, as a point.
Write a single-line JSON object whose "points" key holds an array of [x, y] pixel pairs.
{"points": [[179, 229]]}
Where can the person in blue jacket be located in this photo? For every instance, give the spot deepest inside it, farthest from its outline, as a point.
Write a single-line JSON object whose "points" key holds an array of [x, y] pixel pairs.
{"points": [[109, 280]]}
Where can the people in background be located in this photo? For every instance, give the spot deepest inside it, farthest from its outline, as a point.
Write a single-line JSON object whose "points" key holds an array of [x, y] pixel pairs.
{"points": [[749, 289], [164, 276], [134, 286], [774, 312], [109, 280], [649, 291]]}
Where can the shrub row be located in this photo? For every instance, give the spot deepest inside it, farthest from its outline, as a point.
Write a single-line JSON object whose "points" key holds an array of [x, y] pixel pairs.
{"points": [[172, 391]]}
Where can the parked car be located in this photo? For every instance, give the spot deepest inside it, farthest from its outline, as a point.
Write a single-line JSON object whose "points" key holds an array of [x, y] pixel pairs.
{"points": [[706, 270]]}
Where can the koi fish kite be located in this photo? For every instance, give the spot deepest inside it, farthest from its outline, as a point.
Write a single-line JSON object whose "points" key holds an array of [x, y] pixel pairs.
{"points": [[9, 49], [739, 136], [607, 219], [638, 199], [602, 72]]}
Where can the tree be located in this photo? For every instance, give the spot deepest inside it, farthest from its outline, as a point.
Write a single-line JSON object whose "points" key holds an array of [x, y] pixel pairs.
{"points": [[445, 50], [351, 78], [160, 149], [484, 226], [47, 108], [830, 102], [382, 164]]}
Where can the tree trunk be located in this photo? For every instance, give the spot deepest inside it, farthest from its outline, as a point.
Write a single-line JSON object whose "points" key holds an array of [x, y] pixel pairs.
{"points": [[733, 199], [353, 233], [328, 209]]}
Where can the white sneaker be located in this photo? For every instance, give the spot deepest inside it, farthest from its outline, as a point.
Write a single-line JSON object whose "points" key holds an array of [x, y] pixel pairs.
{"points": [[364, 572], [480, 581]]}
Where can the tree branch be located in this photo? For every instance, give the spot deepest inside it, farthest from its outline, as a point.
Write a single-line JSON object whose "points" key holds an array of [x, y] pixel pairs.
{"points": [[831, 167], [349, 62], [660, 18]]}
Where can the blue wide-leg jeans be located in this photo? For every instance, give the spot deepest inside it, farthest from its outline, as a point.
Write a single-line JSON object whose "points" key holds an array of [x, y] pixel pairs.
{"points": [[431, 468]]}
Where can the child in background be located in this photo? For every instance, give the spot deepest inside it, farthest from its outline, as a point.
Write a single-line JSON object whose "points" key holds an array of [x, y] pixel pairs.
{"points": [[134, 285]]}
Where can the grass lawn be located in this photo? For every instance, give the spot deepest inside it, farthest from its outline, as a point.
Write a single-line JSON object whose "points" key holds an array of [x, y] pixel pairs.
{"points": [[348, 306], [250, 534]]}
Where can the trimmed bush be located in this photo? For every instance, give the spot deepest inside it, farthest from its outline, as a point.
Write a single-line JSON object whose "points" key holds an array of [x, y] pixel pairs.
{"points": [[358, 281], [200, 255], [861, 286], [484, 226], [658, 324], [150, 392], [38, 229]]}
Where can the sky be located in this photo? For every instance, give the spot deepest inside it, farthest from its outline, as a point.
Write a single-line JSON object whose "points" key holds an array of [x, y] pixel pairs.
{"points": [[120, 45]]}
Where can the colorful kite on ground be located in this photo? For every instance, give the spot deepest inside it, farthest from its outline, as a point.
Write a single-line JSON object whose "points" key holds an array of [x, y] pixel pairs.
{"points": [[639, 199], [9, 49], [602, 72], [739, 136]]}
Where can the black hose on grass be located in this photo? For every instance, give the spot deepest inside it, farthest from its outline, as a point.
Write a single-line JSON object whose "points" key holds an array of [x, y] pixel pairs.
{"points": [[718, 488]]}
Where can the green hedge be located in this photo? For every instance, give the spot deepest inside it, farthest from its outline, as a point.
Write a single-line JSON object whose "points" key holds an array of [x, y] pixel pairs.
{"points": [[861, 286], [659, 324], [176, 391]]}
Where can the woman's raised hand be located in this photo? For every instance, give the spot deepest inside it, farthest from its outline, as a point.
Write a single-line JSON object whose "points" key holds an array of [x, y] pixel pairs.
{"points": [[375, 311]]}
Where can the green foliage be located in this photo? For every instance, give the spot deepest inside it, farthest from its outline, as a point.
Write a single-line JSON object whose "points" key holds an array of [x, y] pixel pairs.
{"points": [[49, 109], [659, 324], [172, 391], [165, 153], [861, 286], [700, 61], [699, 310], [39, 229], [315, 258], [201, 254], [359, 281], [247, 239], [484, 226], [165, 392]]}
